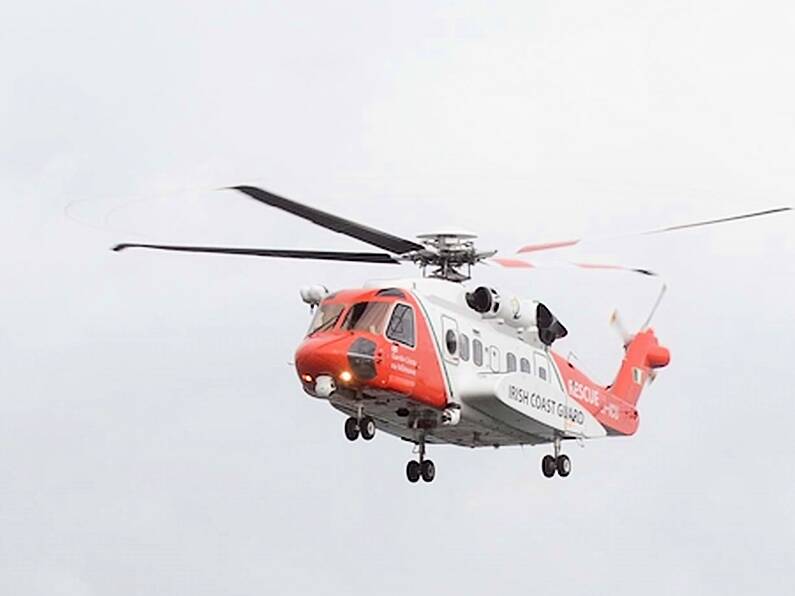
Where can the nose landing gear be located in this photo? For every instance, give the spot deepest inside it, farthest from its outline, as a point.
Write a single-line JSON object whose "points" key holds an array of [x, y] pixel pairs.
{"points": [[352, 429], [367, 427], [364, 426], [424, 468], [559, 462]]}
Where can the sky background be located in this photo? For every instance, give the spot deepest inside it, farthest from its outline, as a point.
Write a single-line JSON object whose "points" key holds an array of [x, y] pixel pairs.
{"points": [[153, 436]]}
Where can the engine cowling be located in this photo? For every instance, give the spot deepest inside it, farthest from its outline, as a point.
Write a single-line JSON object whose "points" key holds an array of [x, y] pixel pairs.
{"points": [[517, 313], [549, 328]]}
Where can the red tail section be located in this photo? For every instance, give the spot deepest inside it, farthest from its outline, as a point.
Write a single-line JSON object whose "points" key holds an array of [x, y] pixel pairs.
{"points": [[643, 354]]}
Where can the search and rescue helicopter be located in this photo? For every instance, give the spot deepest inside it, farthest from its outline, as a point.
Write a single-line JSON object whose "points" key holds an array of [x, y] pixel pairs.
{"points": [[432, 360]]}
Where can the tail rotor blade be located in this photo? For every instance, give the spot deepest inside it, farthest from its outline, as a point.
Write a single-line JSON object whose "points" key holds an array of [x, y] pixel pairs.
{"points": [[618, 326], [655, 306]]}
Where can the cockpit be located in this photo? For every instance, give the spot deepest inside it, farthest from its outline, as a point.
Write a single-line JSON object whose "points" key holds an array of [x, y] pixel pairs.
{"points": [[326, 316], [371, 339], [367, 316], [382, 315]]}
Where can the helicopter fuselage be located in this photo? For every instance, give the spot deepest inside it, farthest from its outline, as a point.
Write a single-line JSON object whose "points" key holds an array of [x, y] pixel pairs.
{"points": [[415, 357]]}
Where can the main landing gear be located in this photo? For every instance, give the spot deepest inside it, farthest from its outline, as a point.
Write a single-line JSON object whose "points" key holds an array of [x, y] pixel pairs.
{"points": [[424, 468], [556, 463], [364, 426]]}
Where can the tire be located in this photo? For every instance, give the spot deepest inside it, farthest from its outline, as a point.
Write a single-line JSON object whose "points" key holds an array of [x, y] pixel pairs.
{"points": [[413, 471], [563, 465], [548, 466], [351, 429], [367, 428], [428, 470]]}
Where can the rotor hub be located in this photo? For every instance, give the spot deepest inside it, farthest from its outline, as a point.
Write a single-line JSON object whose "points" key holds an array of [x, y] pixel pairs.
{"points": [[450, 255]]}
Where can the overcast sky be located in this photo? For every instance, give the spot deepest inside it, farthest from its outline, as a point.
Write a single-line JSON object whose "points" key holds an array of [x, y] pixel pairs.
{"points": [[153, 436]]}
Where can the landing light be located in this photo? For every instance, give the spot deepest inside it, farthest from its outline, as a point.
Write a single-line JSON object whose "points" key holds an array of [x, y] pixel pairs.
{"points": [[307, 378], [345, 376]]}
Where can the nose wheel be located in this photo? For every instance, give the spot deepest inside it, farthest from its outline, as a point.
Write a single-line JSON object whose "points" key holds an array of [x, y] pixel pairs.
{"points": [[367, 428], [351, 429], [559, 463], [424, 468], [364, 426]]}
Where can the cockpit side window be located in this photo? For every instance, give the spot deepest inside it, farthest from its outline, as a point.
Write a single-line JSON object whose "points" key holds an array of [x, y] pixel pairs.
{"points": [[325, 318], [401, 325], [367, 316]]}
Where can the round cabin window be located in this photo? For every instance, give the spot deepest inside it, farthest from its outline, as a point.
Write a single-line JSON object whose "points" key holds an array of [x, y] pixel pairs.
{"points": [[451, 341]]}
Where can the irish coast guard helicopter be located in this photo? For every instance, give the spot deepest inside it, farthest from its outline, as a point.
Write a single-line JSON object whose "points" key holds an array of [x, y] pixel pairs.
{"points": [[436, 360]]}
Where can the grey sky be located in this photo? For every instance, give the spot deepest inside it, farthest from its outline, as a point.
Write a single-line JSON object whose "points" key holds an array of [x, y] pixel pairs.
{"points": [[154, 439]]}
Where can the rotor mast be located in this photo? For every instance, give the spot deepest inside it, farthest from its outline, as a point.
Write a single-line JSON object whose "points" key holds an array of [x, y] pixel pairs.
{"points": [[449, 255]]}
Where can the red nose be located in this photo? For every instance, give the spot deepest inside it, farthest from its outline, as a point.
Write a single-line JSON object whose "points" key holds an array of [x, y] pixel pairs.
{"points": [[322, 356]]}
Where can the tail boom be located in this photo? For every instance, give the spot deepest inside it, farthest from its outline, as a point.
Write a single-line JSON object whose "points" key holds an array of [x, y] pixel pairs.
{"points": [[614, 406]]}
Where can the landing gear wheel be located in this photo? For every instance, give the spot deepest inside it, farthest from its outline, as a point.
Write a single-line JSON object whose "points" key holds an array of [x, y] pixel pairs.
{"points": [[428, 470], [413, 471], [563, 465], [352, 429], [367, 428], [548, 466]]}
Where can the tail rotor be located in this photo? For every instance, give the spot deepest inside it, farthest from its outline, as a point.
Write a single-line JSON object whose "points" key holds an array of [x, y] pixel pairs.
{"points": [[618, 326]]}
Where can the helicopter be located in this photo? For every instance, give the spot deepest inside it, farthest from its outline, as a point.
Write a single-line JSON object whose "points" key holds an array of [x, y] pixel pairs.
{"points": [[433, 360]]}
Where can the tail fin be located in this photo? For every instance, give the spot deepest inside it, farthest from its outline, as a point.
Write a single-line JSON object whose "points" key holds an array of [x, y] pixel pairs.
{"points": [[643, 354]]}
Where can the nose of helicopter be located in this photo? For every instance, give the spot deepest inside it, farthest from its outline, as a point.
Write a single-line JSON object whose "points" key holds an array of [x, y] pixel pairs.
{"points": [[348, 359]]}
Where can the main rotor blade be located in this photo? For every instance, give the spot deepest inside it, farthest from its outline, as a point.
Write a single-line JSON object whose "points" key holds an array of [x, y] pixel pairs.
{"points": [[522, 264], [335, 223], [321, 255], [698, 224]]}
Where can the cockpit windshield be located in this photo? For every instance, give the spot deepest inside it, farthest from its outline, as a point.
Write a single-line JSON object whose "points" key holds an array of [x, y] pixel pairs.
{"points": [[367, 316], [325, 318]]}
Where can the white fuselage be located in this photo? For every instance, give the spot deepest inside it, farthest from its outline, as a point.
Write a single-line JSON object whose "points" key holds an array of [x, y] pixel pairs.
{"points": [[505, 382]]}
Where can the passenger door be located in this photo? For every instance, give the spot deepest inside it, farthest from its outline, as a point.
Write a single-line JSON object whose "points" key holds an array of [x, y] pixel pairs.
{"points": [[494, 359], [401, 331]]}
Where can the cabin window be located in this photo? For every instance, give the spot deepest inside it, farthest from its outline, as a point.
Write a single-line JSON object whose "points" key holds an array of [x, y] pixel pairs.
{"points": [[510, 362], [401, 325], [451, 341], [463, 347], [524, 366], [542, 367], [477, 352], [325, 318]]}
